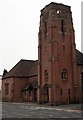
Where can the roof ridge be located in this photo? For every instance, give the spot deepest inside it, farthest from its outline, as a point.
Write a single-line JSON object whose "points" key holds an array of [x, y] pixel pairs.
{"points": [[28, 60]]}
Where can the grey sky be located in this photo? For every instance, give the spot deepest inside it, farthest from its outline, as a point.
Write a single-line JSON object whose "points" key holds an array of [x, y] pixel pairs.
{"points": [[19, 25]]}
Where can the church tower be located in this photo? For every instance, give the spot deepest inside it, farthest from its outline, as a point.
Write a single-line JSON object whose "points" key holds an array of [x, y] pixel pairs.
{"points": [[57, 80]]}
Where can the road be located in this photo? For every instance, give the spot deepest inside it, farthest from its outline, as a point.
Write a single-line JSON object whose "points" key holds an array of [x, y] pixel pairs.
{"points": [[26, 110]]}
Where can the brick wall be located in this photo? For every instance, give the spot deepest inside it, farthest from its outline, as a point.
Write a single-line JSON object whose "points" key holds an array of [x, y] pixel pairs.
{"points": [[16, 85], [57, 51]]}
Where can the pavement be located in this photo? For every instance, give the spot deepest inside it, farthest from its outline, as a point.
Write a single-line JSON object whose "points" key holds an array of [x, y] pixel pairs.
{"points": [[30, 110]]}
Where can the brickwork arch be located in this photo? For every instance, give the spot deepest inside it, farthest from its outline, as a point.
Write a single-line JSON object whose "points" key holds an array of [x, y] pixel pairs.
{"points": [[45, 93]]}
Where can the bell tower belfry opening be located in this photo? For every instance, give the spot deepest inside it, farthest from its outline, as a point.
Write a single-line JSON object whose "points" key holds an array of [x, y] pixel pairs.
{"points": [[56, 55]]}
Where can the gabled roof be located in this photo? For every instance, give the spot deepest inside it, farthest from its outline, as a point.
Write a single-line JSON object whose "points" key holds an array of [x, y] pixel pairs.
{"points": [[24, 68], [79, 57]]}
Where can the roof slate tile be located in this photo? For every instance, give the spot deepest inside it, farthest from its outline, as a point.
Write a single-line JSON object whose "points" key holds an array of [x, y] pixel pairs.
{"points": [[24, 68]]}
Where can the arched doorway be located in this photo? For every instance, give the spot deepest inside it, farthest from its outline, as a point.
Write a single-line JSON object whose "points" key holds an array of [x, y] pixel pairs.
{"points": [[45, 93]]}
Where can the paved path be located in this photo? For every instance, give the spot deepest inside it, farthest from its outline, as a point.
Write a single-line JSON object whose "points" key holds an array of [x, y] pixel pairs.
{"points": [[26, 110]]}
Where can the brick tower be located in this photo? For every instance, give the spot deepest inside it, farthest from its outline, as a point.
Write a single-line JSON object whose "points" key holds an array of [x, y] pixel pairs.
{"points": [[57, 66]]}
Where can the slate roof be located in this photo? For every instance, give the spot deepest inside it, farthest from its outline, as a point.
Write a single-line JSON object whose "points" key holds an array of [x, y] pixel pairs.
{"points": [[24, 68], [27, 68], [79, 57]]}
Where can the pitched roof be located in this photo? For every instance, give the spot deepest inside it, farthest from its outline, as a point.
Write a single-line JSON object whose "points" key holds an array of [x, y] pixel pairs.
{"points": [[79, 57], [24, 68]]}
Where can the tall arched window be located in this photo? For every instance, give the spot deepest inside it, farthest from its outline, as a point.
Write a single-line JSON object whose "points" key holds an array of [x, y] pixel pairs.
{"points": [[62, 27], [46, 75], [45, 29]]}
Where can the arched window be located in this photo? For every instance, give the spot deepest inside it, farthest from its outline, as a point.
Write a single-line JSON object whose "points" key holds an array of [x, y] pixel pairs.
{"points": [[45, 29], [64, 74], [46, 75], [62, 27]]}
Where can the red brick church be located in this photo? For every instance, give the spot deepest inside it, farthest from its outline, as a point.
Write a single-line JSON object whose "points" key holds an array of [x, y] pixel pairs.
{"points": [[57, 77]]}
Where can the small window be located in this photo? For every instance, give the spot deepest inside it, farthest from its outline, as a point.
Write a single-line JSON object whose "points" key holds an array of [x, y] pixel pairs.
{"points": [[46, 75], [58, 11], [6, 88], [64, 74]]}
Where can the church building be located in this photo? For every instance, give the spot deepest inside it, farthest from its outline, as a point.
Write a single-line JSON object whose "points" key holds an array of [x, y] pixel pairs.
{"points": [[57, 77], [60, 65]]}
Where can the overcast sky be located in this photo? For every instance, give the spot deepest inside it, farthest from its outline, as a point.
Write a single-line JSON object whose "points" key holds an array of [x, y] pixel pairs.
{"points": [[19, 26]]}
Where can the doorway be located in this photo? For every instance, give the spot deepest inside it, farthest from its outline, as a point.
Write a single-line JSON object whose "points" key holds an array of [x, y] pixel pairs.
{"points": [[45, 93]]}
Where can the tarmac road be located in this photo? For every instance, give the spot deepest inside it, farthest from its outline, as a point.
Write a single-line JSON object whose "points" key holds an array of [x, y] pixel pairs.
{"points": [[26, 110]]}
